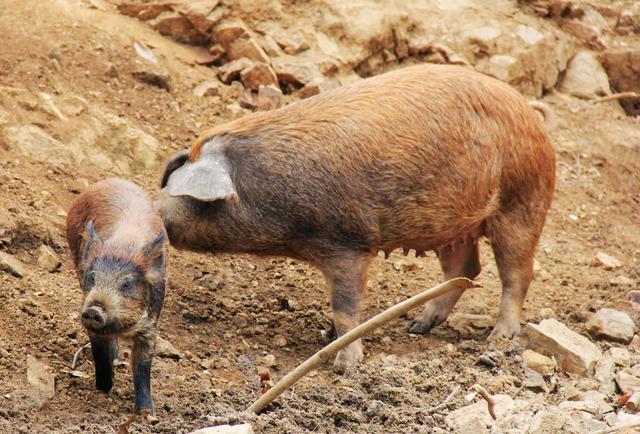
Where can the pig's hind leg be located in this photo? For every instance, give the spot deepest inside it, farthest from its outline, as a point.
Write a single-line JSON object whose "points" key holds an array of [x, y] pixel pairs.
{"points": [[514, 237], [456, 260], [346, 274], [105, 351]]}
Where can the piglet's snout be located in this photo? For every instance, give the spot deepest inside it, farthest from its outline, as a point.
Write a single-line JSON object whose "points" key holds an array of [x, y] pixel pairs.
{"points": [[93, 318]]}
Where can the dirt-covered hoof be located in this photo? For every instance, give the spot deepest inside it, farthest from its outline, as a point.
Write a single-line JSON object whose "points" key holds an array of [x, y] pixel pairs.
{"points": [[504, 329], [349, 356]]}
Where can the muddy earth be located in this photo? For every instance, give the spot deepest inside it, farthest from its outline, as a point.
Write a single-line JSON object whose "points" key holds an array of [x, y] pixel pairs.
{"points": [[98, 88]]}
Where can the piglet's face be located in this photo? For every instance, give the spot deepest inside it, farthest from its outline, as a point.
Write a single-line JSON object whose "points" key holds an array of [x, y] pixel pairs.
{"points": [[117, 285]]}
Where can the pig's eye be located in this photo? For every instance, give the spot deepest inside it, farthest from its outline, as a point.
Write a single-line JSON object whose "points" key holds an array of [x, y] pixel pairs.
{"points": [[90, 280], [127, 286]]}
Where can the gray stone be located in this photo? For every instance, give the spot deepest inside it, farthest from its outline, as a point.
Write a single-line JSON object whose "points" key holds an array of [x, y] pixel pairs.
{"points": [[611, 324], [573, 352], [605, 373]]}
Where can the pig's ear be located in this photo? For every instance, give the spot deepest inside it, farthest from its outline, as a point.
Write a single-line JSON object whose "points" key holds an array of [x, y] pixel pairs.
{"points": [[174, 163], [92, 241], [154, 257], [207, 179]]}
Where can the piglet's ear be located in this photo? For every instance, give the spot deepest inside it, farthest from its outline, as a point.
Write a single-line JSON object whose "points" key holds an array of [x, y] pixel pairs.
{"points": [[154, 256], [92, 240], [207, 179]]}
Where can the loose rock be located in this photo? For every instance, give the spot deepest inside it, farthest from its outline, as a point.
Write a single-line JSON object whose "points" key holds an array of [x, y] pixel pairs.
{"points": [[164, 348], [152, 74], [605, 374], [207, 88], [244, 428], [607, 261], [279, 341], [620, 356], [475, 418], [538, 362], [40, 376], [611, 324], [466, 323], [231, 71], [12, 264], [48, 259], [258, 74], [585, 77], [627, 382], [573, 352]]}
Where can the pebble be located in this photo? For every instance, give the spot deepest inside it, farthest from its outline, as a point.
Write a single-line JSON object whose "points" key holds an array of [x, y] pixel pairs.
{"points": [[279, 341], [41, 376], [620, 356], [48, 259], [538, 362], [612, 325], [607, 261], [164, 348], [12, 264]]}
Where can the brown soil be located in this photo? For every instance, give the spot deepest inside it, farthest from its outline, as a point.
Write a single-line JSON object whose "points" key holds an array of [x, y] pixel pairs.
{"points": [[233, 323]]}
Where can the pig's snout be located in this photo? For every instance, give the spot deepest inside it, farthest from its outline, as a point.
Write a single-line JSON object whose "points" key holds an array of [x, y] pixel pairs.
{"points": [[94, 318]]}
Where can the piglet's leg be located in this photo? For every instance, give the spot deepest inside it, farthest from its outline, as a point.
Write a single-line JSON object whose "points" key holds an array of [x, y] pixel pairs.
{"points": [[142, 356], [346, 275], [105, 351]]}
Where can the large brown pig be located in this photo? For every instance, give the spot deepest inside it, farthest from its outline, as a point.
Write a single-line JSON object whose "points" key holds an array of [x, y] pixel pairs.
{"points": [[429, 157], [118, 244]]}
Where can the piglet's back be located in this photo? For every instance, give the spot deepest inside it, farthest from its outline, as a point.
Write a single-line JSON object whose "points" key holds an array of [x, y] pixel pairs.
{"points": [[121, 212]]}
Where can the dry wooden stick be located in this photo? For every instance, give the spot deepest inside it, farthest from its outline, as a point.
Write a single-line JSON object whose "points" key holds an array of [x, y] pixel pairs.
{"points": [[617, 96], [444, 403], [77, 354], [491, 403], [355, 334]]}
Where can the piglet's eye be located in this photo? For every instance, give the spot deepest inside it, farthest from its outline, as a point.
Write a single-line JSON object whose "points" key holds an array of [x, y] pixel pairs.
{"points": [[90, 280], [127, 286]]}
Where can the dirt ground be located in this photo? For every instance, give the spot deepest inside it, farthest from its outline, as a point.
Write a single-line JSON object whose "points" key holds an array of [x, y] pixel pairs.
{"points": [[223, 324]]}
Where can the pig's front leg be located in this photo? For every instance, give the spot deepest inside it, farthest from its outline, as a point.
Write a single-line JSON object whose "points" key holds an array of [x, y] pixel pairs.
{"points": [[143, 349], [105, 351], [346, 275]]}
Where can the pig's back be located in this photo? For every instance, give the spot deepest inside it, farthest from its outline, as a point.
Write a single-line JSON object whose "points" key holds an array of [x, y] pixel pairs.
{"points": [[415, 157], [121, 211]]}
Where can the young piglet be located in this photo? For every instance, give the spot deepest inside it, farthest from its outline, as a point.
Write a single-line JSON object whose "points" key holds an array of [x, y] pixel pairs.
{"points": [[118, 244]]}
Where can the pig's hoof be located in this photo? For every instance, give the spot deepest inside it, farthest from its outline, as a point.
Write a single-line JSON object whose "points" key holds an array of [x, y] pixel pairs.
{"points": [[422, 326], [505, 329], [419, 328], [348, 357]]}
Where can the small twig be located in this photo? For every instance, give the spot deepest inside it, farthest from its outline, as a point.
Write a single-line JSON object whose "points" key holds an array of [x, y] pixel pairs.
{"points": [[490, 401], [515, 395], [381, 319], [617, 428], [444, 403], [617, 96], [77, 354]]}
